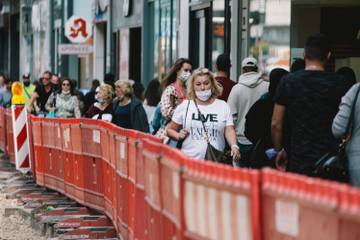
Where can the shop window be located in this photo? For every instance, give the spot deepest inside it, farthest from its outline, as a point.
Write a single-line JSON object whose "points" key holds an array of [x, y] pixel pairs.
{"points": [[165, 35], [221, 16]]}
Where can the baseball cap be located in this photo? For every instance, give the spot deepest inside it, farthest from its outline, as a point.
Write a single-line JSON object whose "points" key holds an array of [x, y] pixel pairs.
{"points": [[249, 62], [26, 75]]}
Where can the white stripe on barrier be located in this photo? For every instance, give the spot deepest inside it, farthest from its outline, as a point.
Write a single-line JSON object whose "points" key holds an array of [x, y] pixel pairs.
{"points": [[244, 218], [20, 122], [226, 215], [212, 213], [189, 206], [201, 209], [23, 152]]}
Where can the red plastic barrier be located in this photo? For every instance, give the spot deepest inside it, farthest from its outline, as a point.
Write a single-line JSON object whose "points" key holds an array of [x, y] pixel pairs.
{"points": [[93, 163], [152, 191], [48, 140], [220, 202], [2, 130], [10, 136], [152, 153], [172, 190], [298, 207], [349, 213], [39, 151], [107, 139], [31, 145]]}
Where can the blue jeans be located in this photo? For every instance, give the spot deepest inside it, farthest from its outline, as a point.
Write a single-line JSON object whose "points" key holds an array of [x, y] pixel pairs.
{"points": [[245, 152]]}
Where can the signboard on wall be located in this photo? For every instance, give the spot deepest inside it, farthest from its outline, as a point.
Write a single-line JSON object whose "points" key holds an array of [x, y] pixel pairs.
{"points": [[78, 29], [124, 46], [75, 49]]}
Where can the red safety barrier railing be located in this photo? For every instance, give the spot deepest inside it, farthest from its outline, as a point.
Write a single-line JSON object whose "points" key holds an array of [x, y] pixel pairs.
{"points": [[9, 136], [2, 130], [152, 191]]}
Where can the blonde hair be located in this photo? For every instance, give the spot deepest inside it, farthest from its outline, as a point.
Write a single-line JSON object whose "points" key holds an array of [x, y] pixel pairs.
{"points": [[216, 88], [109, 91], [125, 86]]}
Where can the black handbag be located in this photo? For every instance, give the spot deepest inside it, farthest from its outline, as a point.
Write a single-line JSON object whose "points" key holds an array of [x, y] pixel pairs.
{"points": [[334, 165], [211, 154]]}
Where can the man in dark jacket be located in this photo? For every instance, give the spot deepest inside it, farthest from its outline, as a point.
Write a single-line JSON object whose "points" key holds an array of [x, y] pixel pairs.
{"points": [[89, 98], [258, 122], [128, 110]]}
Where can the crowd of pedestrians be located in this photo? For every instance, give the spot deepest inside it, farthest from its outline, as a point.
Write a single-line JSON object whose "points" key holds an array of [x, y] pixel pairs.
{"points": [[284, 120]]}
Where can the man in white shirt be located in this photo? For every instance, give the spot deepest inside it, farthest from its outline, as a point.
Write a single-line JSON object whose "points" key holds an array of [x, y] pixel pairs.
{"points": [[250, 87]]}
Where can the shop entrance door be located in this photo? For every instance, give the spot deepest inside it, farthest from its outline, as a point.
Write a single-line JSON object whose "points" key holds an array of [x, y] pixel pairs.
{"points": [[200, 30]]}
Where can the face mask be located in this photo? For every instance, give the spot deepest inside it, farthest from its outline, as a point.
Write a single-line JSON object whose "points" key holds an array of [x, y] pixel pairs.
{"points": [[26, 84], [185, 76], [203, 95], [100, 100]]}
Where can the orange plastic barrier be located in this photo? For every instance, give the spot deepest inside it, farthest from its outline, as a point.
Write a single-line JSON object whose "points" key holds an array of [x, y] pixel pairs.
{"points": [[2, 130], [220, 202], [10, 137], [298, 207], [152, 191], [39, 151]]}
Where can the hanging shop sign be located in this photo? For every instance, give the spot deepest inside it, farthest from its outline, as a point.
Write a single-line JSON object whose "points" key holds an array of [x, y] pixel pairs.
{"points": [[78, 29], [75, 49]]}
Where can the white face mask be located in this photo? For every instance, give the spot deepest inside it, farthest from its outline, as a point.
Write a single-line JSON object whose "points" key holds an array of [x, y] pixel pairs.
{"points": [[100, 100], [184, 76], [203, 95], [66, 92]]}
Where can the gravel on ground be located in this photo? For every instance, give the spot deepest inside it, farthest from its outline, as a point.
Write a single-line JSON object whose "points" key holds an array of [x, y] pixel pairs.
{"points": [[15, 227]]}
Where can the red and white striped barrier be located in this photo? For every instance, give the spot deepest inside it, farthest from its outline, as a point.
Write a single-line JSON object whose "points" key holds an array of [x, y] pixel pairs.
{"points": [[21, 138]]}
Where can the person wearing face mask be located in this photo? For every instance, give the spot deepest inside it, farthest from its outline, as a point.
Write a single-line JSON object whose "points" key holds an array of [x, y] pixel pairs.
{"points": [[202, 117], [102, 109], [28, 87], [174, 92], [64, 104]]}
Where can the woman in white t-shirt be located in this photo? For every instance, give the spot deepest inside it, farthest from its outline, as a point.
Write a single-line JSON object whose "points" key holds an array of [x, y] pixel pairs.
{"points": [[203, 91]]}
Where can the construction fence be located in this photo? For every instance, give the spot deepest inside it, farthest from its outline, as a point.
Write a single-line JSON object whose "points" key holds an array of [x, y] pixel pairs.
{"points": [[152, 191]]}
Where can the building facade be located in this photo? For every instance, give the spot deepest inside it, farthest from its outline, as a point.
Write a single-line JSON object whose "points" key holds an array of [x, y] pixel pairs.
{"points": [[140, 40]]}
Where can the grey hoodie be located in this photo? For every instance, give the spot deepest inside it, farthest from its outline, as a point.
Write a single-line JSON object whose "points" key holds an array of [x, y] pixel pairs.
{"points": [[251, 79], [242, 96]]}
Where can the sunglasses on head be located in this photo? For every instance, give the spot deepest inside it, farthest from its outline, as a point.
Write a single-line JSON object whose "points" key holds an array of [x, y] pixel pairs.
{"points": [[202, 71]]}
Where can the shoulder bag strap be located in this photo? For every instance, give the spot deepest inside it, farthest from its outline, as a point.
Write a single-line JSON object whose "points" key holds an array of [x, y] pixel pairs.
{"points": [[202, 121], [27, 93], [349, 125], [187, 109]]}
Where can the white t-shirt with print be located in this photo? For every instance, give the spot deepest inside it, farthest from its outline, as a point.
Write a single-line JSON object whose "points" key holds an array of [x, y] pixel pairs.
{"points": [[217, 116]]}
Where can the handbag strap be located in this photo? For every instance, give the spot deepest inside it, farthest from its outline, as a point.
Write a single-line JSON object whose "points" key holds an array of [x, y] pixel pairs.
{"points": [[202, 122], [349, 125], [187, 109]]}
